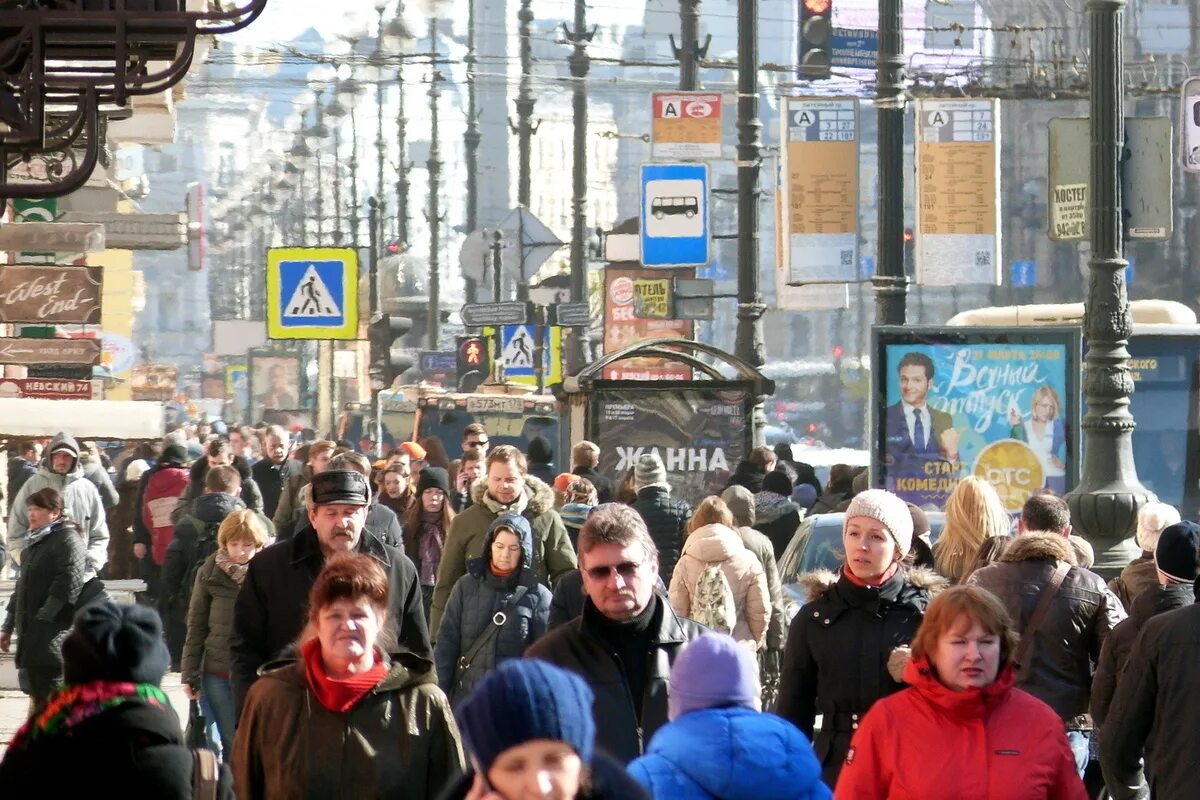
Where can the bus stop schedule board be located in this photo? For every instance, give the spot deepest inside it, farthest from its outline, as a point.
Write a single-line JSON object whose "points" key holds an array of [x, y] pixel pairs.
{"points": [[700, 434]]}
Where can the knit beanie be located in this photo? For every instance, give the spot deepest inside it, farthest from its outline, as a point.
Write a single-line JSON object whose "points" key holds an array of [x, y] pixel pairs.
{"points": [[174, 453], [136, 469], [1151, 520], [777, 482], [433, 478], [741, 504], [649, 470], [522, 700], [1177, 554], [713, 671], [882, 505], [111, 642]]}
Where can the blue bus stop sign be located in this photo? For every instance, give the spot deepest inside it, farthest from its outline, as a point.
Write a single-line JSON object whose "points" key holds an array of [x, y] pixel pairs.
{"points": [[674, 215]]}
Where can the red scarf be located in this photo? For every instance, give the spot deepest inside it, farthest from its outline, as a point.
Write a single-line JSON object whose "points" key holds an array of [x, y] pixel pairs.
{"points": [[857, 581], [339, 695], [501, 573]]}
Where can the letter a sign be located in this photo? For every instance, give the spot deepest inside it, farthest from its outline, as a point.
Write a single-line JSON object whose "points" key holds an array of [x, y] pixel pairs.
{"points": [[686, 126]]}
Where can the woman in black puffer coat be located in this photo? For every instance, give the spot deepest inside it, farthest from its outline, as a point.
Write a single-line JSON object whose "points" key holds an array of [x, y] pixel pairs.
{"points": [[846, 648], [54, 582], [485, 603]]}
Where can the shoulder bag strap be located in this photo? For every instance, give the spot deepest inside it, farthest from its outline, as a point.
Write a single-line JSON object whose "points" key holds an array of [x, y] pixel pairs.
{"points": [[1045, 598], [498, 619], [204, 774]]}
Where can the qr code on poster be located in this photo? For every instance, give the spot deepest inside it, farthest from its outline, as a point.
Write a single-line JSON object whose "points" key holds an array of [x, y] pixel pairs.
{"points": [[983, 258], [847, 258]]}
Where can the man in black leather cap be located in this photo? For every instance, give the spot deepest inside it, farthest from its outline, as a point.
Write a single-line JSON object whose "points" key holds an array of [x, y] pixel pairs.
{"points": [[270, 609]]}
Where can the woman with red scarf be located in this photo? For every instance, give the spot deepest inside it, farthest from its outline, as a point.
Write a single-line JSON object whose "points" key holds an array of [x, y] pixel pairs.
{"points": [[962, 729], [347, 718], [846, 647]]}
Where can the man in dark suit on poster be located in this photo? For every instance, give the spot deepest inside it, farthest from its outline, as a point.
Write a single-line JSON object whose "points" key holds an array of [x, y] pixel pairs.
{"points": [[917, 434]]}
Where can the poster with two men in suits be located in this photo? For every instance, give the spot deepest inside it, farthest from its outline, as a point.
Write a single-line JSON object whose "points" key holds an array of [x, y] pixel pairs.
{"points": [[998, 404]]}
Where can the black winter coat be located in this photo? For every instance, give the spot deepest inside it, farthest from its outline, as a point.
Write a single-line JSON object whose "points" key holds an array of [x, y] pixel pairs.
{"points": [[835, 660], [667, 520], [1114, 655], [271, 478], [251, 496], [604, 485], [19, 471], [134, 749], [48, 593], [1155, 708], [578, 646], [778, 523], [271, 606]]}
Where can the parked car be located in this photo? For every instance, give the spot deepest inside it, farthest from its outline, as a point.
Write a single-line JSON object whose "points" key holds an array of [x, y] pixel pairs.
{"points": [[818, 545]]}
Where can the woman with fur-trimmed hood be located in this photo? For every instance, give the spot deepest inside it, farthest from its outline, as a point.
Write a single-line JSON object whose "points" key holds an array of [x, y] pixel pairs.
{"points": [[847, 647], [506, 488]]}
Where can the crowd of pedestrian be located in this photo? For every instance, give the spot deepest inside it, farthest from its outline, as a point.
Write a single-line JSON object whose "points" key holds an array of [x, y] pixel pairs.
{"points": [[509, 626]]}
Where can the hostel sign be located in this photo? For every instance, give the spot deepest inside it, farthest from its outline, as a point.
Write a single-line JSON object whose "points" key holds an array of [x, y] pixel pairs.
{"points": [[50, 294]]}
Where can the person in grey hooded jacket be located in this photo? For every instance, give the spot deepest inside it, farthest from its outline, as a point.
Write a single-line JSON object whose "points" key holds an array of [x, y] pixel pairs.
{"points": [[499, 591], [60, 470]]}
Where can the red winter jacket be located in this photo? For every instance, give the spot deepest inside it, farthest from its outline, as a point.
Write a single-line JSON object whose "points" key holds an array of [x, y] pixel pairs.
{"points": [[162, 493], [995, 743]]}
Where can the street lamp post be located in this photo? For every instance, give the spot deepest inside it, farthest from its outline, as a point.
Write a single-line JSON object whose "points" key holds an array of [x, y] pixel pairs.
{"points": [[891, 285], [434, 165], [471, 140], [1104, 506], [580, 63]]}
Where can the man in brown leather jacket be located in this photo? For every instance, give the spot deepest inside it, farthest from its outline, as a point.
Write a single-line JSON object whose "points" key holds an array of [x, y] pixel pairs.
{"points": [[1083, 613]]}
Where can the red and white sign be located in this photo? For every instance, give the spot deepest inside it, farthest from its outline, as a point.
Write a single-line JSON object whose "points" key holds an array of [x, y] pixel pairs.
{"points": [[47, 388], [686, 126]]}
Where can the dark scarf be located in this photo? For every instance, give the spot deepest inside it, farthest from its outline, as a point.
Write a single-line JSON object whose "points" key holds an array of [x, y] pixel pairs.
{"points": [[433, 540], [630, 639]]}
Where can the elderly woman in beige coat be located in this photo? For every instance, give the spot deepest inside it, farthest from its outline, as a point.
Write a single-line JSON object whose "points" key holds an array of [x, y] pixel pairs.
{"points": [[712, 540]]}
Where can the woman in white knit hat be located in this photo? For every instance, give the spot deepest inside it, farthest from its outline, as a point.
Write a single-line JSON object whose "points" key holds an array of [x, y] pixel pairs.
{"points": [[1141, 574], [847, 646]]}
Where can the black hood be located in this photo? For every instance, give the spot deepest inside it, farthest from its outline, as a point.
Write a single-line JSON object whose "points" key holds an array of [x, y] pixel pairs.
{"points": [[200, 469], [212, 508]]}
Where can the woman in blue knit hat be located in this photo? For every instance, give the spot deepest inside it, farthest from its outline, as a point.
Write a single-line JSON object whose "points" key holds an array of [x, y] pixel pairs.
{"points": [[529, 732]]}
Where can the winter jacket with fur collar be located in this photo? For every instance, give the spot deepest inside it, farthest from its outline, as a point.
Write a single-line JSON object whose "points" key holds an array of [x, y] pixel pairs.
{"points": [[553, 554], [835, 659], [1069, 640], [718, 544]]}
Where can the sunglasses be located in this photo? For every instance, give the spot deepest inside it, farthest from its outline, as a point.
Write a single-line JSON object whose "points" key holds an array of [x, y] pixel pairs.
{"points": [[480, 443], [626, 569]]}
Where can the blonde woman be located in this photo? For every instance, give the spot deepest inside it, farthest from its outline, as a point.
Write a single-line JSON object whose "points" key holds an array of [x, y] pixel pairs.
{"points": [[973, 513], [1045, 434]]}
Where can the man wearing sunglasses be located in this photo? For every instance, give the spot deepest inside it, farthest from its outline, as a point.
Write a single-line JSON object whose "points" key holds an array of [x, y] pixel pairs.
{"points": [[624, 642], [475, 440]]}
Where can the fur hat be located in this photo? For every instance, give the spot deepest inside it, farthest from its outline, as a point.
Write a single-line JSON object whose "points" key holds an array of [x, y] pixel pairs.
{"points": [[649, 470], [882, 505], [1152, 519]]}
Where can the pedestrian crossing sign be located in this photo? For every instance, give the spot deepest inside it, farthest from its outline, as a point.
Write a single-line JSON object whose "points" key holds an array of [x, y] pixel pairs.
{"points": [[312, 293]]}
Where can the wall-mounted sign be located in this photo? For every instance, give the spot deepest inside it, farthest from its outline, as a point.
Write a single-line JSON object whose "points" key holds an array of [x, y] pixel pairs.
{"points": [[50, 388], [49, 351], [50, 294]]}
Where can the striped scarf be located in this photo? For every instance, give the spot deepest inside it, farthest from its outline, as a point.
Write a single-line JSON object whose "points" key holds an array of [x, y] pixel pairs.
{"points": [[72, 705]]}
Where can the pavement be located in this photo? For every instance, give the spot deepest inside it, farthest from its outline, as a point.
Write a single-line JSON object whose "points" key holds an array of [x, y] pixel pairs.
{"points": [[14, 706]]}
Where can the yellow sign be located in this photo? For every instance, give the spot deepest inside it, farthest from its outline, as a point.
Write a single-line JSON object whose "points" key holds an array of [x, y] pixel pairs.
{"points": [[652, 298], [1013, 469], [312, 293], [686, 126]]}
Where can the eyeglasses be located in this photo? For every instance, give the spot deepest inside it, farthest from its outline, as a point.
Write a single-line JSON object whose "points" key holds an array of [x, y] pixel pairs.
{"points": [[626, 569]]}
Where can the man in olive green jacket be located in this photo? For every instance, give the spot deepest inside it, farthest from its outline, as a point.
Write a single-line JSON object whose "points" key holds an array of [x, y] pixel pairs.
{"points": [[505, 489]]}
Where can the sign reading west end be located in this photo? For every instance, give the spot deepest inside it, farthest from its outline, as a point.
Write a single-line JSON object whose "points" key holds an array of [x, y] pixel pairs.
{"points": [[49, 351], [686, 126], [50, 294], [312, 293]]}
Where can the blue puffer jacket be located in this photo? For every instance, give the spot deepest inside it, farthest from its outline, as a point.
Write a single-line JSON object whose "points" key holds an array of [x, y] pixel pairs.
{"points": [[474, 601], [728, 754]]}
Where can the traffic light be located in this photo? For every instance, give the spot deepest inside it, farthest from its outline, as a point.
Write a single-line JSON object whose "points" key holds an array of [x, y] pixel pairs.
{"points": [[816, 39], [473, 362], [910, 248], [388, 360]]}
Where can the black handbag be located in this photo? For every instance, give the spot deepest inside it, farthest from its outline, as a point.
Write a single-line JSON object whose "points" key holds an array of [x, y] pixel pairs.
{"points": [[195, 736]]}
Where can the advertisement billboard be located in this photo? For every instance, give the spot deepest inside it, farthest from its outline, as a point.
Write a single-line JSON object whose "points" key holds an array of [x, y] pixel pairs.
{"points": [[1000, 405], [622, 326], [699, 433]]}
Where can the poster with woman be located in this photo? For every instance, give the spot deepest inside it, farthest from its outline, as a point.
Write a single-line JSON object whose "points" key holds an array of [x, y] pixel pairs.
{"points": [[274, 382], [998, 404]]}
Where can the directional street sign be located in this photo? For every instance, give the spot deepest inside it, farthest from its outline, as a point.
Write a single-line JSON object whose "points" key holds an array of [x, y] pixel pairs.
{"points": [[312, 293], [476, 315], [49, 351], [571, 315], [855, 49], [674, 215]]}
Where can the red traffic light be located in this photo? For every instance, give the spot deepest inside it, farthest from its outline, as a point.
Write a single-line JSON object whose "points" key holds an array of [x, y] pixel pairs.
{"points": [[838, 351], [817, 6], [908, 235]]}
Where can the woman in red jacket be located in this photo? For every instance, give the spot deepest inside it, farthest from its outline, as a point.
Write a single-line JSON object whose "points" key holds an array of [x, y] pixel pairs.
{"points": [[961, 729]]}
